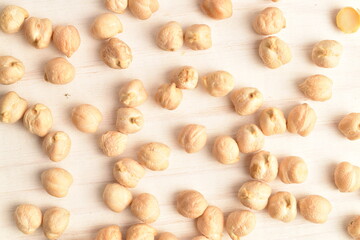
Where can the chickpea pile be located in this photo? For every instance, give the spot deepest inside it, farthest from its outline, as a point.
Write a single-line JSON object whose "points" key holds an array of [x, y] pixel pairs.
{"points": [[255, 194]]}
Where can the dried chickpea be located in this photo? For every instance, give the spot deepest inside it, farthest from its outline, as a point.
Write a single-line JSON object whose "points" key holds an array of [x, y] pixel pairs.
{"points": [[143, 9], [86, 118], [11, 70], [192, 138], [348, 20], [353, 228], [211, 223], [133, 93], [327, 53], [198, 37], [191, 203], [301, 120], [219, 83], [57, 146], [282, 206], [293, 169], [66, 39], [116, 54], [28, 218], [59, 71], [116, 6], [129, 120], [249, 138], [264, 166], [116, 197], [217, 9], [56, 181], [269, 21], [254, 194], [145, 207], [113, 143], [154, 156], [349, 126], [226, 150], [246, 100], [109, 233], [166, 236], [105, 26], [170, 36], [38, 119], [200, 238], [315, 208], [128, 172], [12, 107], [274, 52], [38, 32], [347, 177], [168, 96], [240, 223], [55, 222], [317, 87], [185, 77], [12, 18], [141, 231], [272, 121]]}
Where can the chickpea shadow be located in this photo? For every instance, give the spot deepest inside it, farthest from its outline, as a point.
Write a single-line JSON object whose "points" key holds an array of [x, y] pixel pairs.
{"points": [[330, 176]]}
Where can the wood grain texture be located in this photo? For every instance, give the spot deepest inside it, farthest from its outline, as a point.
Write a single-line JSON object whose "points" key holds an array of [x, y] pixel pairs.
{"points": [[234, 50]]}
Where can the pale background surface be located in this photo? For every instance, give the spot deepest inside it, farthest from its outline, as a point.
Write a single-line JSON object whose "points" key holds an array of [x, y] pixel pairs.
{"points": [[234, 50]]}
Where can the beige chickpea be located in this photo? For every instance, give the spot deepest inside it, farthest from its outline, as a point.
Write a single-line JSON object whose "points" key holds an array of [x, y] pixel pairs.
{"points": [[38, 32], [129, 120], [269, 21], [57, 146], [116, 197], [347, 177], [315, 208], [146, 208], [170, 36], [264, 166], [141, 231], [185, 77], [59, 71], [219, 83], [11, 70], [301, 120], [12, 107], [254, 194], [282, 206], [198, 37], [66, 39], [56, 181], [116, 54], [191, 203], [28, 218], [353, 228], [128, 172], [274, 52], [349, 126], [240, 223], [317, 87], [246, 100], [12, 18], [86, 118], [226, 150], [143, 9], [55, 222], [109, 233], [133, 93], [105, 26], [166, 236], [192, 138], [116, 6], [211, 223], [272, 121], [113, 143], [250, 138], [154, 156], [293, 169], [168, 96], [217, 9], [327, 53], [38, 119]]}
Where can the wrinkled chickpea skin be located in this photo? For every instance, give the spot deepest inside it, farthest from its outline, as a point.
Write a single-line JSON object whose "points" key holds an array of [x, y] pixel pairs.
{"points": [[66, 39], [166, 236], [301, 120], [109, 233], [116, 54], [116, 197], [347, 177], [247, 100], [12, 107], [317, 87], [12, 18], [168, 96], [217, 9], [282, 206], [269, 21], [128, 172], [116, 6], [272, 121], [293, 169], [38, 32], [226, 150], [28, 218], [211, 223], [55, 222], [274, 52], [250, 138], [57, 146], [143, 9], [192, 138], [38, 119], [113, 143], [105, 26], [170, 37], [264, 166], [146, 208], [59, 71], [86, 118], [254, 194], [129, 120], [191, 203], [133, 93], [198, 37], [327, 53], [240, 223], [185, 77], [154, 156], [11, 70], [56, 182], [353, 228], [315, 208], [141, 231], [219, 83], [349, 126]]}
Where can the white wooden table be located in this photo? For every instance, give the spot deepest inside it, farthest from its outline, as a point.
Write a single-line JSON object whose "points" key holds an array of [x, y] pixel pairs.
{"points": [[234, 50]]}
